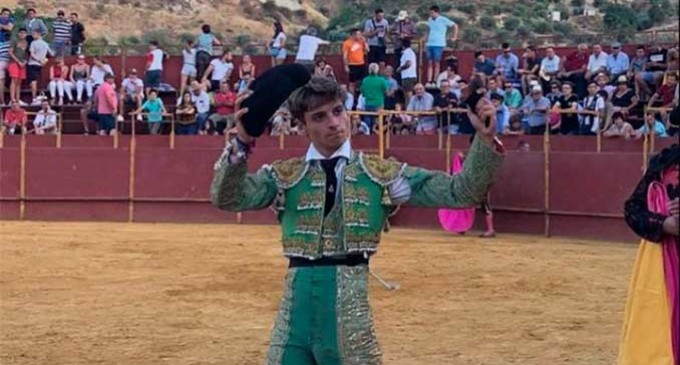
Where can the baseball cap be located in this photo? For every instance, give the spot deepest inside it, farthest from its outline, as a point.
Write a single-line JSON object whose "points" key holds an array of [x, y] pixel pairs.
{"points": [[622, 78], [536, 89], [616, 45], [403, 14]]}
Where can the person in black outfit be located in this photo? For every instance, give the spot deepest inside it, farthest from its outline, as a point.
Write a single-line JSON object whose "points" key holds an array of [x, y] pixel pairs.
{"points": [[568, 101], [442, 101], [623, 98], [77, 35]]}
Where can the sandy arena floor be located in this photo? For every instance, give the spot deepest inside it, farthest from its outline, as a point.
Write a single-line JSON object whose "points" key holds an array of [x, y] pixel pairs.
{"points": [[128, 294]]}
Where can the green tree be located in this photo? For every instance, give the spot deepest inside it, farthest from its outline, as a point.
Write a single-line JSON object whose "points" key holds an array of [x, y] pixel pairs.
{"points": [[511, 23], [471, 34], [542, 27], [656, 14], [577, 3], [619, 17], [487, 22], [523, 31]]}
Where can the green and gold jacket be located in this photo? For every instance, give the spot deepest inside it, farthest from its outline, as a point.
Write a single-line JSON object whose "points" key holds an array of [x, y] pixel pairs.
{"points": [[296, 189]]}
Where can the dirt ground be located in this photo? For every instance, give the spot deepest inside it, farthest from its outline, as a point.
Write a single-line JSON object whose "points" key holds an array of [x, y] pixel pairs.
{"points": [[128, 294]]}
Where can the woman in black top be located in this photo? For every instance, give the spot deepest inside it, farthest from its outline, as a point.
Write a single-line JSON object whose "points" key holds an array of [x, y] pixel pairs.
{"points": [[568, 102], [624, 98]]}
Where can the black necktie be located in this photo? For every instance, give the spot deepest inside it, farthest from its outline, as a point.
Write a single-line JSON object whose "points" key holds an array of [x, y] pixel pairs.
{"points": [[331, 182]]}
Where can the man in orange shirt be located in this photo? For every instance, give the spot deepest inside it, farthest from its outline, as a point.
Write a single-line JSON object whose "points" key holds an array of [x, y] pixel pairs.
{"points": [[354, 51], [15, 117]]}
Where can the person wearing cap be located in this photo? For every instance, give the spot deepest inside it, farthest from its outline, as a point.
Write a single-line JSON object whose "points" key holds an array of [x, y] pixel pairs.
{"points": [[333, 203], [80, 77], [402, 29], [623, 98], [597, 62], [62, 35], [131, 94], [618, 62], [309, 44], [535, 111], [507, 64], [107, 105]]}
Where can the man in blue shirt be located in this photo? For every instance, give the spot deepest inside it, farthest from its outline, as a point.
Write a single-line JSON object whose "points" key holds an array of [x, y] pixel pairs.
{"points": [[617, 62], [436, 41], [484, 65], [502, 113], [507, 64], [535, 111]]}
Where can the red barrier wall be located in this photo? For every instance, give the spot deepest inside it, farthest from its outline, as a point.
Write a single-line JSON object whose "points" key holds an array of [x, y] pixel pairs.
{"points": [[147, 181]]}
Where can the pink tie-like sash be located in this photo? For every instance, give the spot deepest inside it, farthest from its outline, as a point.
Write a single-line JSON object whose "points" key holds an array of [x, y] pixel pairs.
{"points": [[457, 220]]}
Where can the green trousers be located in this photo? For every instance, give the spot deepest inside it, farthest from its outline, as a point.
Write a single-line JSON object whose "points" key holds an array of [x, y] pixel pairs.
{"points": [[325, 319]]}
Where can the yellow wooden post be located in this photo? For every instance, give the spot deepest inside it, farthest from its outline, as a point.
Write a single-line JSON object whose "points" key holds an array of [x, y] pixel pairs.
{"points": [[172, 132], [60, 126], [131, 180], [381, 134]]}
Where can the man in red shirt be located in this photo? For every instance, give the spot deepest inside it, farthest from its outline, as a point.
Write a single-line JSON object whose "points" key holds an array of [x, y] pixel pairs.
{"points": [[225, 100], [573, 69], [15, 117], [666, 93]]}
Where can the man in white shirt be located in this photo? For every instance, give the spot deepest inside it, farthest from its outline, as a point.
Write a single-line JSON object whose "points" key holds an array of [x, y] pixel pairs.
{"points": [[154, 66], [309, 44], [99, 70], [45, 120], [597, 62], [408, 68], [201, 101], [220, 69], [131, 93]]}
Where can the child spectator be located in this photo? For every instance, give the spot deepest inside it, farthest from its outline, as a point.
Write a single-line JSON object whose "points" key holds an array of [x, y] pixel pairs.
{"points": [[18, 53], [155, 111]]}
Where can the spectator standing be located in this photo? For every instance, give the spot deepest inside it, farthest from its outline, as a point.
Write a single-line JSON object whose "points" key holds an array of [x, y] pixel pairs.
{"points": [[220, 70], [483, 65], [375, 30], [422, 101], [597, 62], [62, 35], [655, 68], [131, 94], [437, 26], [77, 35], [38, 51], [573, 69], [99, 71], [402, 29], [189, 72], [535, 111], [201, 101], [374, 89], [225, 101], [408, 69], [530, 67], [618, 62], [186, 116], [309, 44], [619, 128], [155, 110], [45, 121], [392, 88], [34, 24], [6, 26], [107, 105], [550, 67], [88, 113], [507, 64], [80, 77], [567, 106], [354, 51], [443, 102], [18, 53], [593, 110], [277, 46], [59, 82], [204, 49], [15, 117], [154, 66]]}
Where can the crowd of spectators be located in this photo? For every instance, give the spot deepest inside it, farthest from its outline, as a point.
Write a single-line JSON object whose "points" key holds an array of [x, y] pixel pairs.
{"points": [[583, 93]]}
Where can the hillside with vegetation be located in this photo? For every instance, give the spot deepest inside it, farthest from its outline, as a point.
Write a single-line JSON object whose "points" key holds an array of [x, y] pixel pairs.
{"points": [[247, 24]]}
